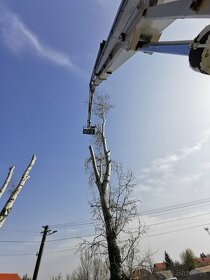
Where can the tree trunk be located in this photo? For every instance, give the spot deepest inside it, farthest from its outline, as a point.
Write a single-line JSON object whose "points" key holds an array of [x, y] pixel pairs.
{"points": [[10, 202], [7, 181], [113, 249], [102, 181]]}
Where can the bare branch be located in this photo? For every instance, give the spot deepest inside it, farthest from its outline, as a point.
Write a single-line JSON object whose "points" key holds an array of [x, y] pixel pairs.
{"points": [[7, 181], [107, 158], [95, 168], [10, 202]]}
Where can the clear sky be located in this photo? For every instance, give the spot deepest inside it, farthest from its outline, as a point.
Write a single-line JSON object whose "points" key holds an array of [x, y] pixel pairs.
{"points": [[160, 129]]}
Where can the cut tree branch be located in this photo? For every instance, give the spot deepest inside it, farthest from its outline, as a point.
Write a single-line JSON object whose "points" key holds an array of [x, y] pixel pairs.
{"points": [[10, 202], [95, 168], [6, 182]]}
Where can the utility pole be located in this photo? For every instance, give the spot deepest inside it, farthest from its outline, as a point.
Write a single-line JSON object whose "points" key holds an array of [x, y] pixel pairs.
{"points": [[46, 232]]}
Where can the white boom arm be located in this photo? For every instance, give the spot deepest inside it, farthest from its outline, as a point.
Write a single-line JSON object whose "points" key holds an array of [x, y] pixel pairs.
{"points": [[138, 26]]}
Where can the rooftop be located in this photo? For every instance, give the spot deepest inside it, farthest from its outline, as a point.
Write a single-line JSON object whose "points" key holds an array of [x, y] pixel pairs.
{"points": [[9, 276]]}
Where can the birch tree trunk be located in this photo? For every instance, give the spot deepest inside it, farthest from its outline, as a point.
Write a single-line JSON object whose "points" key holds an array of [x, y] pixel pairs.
{"points": [[102, 182], [113, 204], [6, 182], [115, 261], [10, 202]]}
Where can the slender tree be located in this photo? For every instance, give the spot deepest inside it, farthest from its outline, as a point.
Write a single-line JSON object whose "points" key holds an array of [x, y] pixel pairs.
{"points": [[57, 277], [112, 204], [7, 181], [168, 261], [26, 277], [188, 259], [13, 196], [90, 268]]}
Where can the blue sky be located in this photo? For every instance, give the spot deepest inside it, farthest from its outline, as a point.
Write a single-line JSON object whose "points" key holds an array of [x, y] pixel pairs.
{"points": [[159, 128]]}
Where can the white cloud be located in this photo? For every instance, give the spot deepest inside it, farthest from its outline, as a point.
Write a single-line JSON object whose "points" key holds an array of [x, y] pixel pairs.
{"points": [[183, 176], [166, 164], [145, 188], [19, 38], [189, 150]]}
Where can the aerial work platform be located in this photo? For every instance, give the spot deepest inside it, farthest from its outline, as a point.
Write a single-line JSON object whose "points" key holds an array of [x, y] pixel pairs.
{"points": [[138, 26]]}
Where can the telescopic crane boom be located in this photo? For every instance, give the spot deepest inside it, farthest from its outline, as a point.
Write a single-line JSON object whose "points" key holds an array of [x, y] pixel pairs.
{"points": [[138, 26]]}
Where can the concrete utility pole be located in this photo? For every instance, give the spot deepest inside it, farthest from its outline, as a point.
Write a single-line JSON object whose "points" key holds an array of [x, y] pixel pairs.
{"points": [[46, 232]]}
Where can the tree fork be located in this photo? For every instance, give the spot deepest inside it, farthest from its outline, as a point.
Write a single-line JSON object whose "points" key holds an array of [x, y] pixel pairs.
{"points": [[10, 202], [7, 181]]}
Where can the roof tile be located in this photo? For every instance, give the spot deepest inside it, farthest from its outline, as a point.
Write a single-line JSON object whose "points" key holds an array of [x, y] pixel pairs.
{"points": [[9, 276]]}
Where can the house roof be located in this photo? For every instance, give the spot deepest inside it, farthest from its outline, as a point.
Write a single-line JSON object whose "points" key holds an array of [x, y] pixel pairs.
{"points": [[140, 272], [9, 276], [200, 270], [165, 274], [203, 261], [159, 266]]}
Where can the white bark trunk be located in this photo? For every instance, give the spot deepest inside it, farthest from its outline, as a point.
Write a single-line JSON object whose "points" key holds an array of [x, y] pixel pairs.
{"points": [[6, 182], [95, 168], [103, 188], [10, 202]]}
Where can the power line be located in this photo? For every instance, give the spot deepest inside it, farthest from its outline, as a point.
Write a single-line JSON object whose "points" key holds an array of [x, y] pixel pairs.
{"points": [[163, 209], [92, 235], [52, 240], [172, 211], [17, 230], [70, 238], [61, 250], [174, 207], [73, 224], [22, 229], [164, 222], [47, 252], [143, 213], [180, 219], [156, 211], [19, 241], [175, 230], [67, 225]]}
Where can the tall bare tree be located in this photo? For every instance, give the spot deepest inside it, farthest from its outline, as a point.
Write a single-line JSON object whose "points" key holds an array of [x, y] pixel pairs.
{"points": [[7, 180], [13, 196], [90, 268], [112, 204], [26, 277]]}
